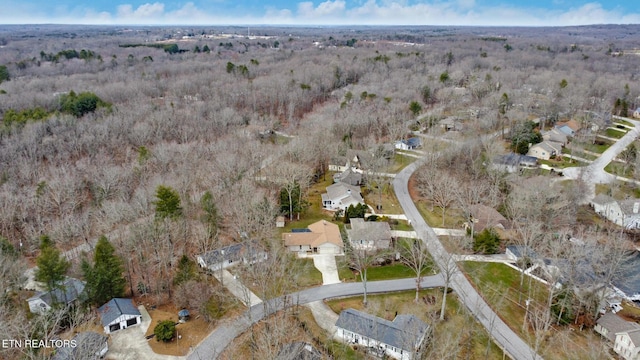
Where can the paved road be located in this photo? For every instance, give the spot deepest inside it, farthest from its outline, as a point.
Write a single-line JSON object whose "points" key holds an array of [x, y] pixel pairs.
{"points": [[212, 346], [513, 345], [594, 173]]}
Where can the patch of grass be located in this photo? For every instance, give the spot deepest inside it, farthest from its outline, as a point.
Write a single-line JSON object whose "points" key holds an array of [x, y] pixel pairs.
{"points": [[615, 133], [401, 225], [306, 273], [314, 212], [561, 163], [452, 219], [389, 272], [400, 162], [624, 122], [388, 200], [619, 169]]}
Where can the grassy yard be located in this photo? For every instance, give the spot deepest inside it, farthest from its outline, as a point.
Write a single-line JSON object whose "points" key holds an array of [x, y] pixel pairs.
{"points": [[400, 162], [601, 145], [562, 163], [452, 220], [619, 169], [390, 204], [615, 133], [500, 286], [459, 336], [624, 122], [375, 273], [306, 274], [315, 212]]}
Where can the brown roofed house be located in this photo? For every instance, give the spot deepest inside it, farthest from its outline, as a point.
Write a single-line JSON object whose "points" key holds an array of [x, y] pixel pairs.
{"points": [[321, 237]]}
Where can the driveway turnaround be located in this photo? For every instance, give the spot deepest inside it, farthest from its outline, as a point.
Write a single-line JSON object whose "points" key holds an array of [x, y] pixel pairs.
{"points": [[508, 340], [131, 343], [213, 345]]}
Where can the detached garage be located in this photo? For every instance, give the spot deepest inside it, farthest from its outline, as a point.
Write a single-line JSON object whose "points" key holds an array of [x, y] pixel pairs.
{"points": [[119, 314]]}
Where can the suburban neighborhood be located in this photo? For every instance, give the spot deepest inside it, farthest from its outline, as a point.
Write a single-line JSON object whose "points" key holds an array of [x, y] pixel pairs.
{"points": [[406, 193]]}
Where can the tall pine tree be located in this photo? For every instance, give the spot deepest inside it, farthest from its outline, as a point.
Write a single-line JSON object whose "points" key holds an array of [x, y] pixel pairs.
{"points": [[104, 278], [52, 266]]}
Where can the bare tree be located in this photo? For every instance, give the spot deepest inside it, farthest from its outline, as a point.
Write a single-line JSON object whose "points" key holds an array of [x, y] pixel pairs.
{"points": [[415, 255], [439, 187]]}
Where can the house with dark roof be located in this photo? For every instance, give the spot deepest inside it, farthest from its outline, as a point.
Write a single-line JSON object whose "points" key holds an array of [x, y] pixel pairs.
{"points": [[322, 237], [369, 235], [298, 351], [68, 292], [118, 314], [408, 144], [88, 346], [249, 252], [513, 162], [518, 252], [627, 282], [403, 338]]}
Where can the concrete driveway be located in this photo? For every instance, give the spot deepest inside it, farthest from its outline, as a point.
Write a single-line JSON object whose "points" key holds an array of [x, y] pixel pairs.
{"points": [[327, 266], [131, 344]]}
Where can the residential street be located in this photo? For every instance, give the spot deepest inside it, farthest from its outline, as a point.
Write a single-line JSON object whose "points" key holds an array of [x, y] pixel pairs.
{"points": [[213, 345], [594, 173], [506, 338]]}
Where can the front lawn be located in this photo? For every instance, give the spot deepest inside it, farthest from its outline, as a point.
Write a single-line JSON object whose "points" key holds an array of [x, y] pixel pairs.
{"points": [[615, 133], [375, 273]]}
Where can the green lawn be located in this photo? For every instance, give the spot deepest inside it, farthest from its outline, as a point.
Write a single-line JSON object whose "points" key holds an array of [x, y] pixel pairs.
{"points": [[561, 164], [624, 122], [615, 133], [400, 162], [306, 274], [597, 148], [375, 273], [402, 225], [390, 204]]}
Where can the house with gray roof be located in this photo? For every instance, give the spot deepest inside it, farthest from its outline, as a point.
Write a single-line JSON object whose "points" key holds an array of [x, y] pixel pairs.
{"points": [[340, 196], [609, 324], [408, 144], [68, 292], [627, 344], [545, 150], [249, 252], [369, 235], [403, 338], [89, 345], [118, 314], [513, 162], [348, 176]]}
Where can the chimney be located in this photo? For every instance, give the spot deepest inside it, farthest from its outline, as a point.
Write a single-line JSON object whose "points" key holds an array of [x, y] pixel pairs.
{"points": [[636, 207]]}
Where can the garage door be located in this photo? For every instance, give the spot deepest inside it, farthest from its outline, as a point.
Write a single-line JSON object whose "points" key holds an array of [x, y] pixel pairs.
{"points": [[114, 327], [131, 322]]}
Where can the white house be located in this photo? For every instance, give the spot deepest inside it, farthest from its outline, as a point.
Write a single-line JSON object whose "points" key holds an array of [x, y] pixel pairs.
{"points": [[408, 144], [403, 338], [68, 292], [340, 196], [513, 162], [624, 213], [247, 253], [369, 235], [609, 324], [636, 113], [627, 344], [321, 237], [545, 150], [119, 314]]}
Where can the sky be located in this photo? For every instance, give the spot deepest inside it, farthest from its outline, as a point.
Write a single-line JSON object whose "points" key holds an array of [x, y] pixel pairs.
{"points": [[330, 12]]}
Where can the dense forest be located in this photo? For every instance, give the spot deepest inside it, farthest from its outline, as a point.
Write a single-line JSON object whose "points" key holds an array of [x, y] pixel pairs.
{"points": [[176, 141]]}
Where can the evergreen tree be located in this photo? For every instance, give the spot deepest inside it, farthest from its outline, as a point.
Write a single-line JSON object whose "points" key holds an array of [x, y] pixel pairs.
{"points": [[168, 203], [104, 278], [52, 266], [187, 270]]}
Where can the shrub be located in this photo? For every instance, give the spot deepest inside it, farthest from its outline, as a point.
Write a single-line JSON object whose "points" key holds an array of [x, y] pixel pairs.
{"points": [[165, 330]]}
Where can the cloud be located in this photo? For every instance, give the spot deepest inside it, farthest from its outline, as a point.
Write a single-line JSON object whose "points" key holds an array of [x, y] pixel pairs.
{"points": [[329, 12], [324, 10], [143, 12]]}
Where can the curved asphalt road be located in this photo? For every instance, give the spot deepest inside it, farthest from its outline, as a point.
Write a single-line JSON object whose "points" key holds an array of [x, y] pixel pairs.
{"points": [[508, 340], [213, 345]]}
